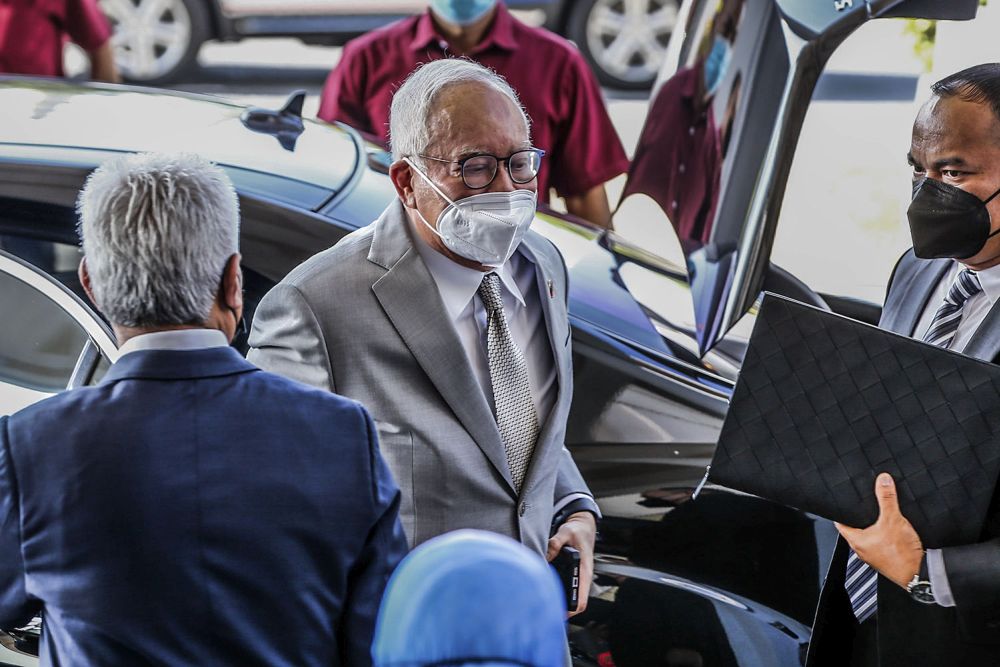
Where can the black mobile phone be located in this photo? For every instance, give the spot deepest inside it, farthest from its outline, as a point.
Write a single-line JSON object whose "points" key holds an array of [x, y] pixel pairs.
{"points": [[567, 565]]}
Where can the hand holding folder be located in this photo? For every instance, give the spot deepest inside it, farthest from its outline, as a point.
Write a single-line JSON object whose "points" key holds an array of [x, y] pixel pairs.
{"points": [[890, 545], [824, 403]]}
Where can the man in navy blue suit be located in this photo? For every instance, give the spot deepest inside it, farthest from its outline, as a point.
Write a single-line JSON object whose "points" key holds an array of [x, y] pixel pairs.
{"points": [[190, 509]]}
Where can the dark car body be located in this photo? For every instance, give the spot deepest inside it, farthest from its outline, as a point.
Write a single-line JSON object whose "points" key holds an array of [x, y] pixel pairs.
{"points": [[722, 579]]}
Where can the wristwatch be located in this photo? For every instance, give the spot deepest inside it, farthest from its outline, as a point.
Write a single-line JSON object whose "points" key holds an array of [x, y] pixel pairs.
{"points": [[919, 587]]}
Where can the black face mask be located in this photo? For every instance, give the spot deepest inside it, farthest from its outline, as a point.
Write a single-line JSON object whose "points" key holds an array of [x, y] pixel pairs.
{"points": [[946, 221]]}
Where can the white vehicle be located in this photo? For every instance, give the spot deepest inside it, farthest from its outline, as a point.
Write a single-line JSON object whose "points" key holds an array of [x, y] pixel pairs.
{"points": [[158, 40]]}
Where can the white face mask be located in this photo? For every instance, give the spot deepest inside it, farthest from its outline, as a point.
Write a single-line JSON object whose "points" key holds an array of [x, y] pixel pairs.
{"points": [[485, 228]]}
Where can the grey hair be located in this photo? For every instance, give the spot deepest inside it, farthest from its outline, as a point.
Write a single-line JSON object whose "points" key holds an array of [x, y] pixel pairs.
{"points": [[409, 132], [157, 231]]}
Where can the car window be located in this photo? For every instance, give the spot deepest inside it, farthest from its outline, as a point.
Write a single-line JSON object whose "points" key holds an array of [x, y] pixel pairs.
{"points": [[694, 115], [40, 234], [59, 260], [39, 345], [849, 184], [706, 134], [103, 366]]}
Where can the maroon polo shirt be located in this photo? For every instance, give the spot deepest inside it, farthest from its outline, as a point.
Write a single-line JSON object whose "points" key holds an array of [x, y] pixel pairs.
{"points": [[679, 158], [558, 90], [33, 33]]}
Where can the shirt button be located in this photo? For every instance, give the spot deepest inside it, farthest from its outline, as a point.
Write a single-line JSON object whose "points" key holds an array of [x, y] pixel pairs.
{"points": [[691, 130], [523, 509], [673, 204], [682, 168]]}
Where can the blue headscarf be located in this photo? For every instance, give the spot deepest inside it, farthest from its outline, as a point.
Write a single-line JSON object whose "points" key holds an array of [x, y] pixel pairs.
{"points": [[472, 597]]}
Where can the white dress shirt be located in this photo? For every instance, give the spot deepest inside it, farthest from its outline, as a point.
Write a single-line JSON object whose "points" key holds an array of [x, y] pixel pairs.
{"points": [[973, 314], [522, 307], [178, 339], [974, 311]]}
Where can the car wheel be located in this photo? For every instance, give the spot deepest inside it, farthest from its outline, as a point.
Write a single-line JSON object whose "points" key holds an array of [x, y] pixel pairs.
{"points": [[156, 40], [625, 41]]}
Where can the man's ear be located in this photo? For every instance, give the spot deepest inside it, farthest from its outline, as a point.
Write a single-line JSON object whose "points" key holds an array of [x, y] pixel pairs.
{"points": [[232, 285], [401, 175], [84, 273]]}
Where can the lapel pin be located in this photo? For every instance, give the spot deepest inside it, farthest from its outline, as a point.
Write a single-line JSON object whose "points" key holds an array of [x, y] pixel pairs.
{"points": [[552, 289]]}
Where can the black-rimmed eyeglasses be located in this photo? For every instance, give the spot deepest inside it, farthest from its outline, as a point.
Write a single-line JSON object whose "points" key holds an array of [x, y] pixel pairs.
{"points": [[478, 171]]}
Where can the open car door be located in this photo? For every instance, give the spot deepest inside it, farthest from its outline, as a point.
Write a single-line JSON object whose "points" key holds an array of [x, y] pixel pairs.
{"points": [[723, 124]]}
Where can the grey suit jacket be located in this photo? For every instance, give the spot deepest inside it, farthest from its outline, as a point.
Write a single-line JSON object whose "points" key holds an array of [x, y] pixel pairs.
{"points": [[364, 319]]}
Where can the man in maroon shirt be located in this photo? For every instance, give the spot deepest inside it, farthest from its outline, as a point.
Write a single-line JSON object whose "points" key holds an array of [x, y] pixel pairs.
{"points": [[560, 93], [679, 158], [33, 33]]}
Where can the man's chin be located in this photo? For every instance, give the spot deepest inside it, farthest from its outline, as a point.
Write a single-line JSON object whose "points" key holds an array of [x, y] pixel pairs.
{"points": [[981, 262]]}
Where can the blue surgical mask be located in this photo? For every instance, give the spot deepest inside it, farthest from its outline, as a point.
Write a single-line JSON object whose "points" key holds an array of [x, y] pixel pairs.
{"points": [[462, 12], [717, 63]]}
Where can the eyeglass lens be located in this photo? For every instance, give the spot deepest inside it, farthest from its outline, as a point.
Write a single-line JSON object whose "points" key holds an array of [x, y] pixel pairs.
{"points": [[479, 171]]}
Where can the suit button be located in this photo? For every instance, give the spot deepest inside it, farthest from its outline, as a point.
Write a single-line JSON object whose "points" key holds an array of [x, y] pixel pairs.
{"points": [[523, 509]]}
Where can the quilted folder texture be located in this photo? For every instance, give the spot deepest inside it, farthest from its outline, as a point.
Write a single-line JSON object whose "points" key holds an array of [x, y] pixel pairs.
{"points": [[824, 403]]}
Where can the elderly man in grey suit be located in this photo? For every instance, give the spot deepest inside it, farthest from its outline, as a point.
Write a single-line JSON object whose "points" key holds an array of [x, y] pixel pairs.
{"points": [[447, 319]]}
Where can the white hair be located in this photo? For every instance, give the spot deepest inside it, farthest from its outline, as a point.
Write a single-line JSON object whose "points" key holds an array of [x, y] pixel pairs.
{"points": [[157, 231], [409, 132]]}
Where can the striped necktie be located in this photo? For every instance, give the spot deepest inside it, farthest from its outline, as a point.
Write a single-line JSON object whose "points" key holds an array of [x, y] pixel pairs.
{"points": [[515, 408], [861, 578]]}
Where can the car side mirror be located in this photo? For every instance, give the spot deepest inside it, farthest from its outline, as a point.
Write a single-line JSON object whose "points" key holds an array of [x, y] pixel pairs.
{"points": [[953, 10], [812, 18]]}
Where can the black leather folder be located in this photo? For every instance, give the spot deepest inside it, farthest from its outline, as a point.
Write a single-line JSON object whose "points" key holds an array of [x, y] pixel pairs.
{"points": [[824, 403]]}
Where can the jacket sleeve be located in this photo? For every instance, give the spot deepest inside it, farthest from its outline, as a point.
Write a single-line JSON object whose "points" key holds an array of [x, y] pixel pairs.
{"points": [[15, 607], [286, 338], [974, 577], [382, 551]]}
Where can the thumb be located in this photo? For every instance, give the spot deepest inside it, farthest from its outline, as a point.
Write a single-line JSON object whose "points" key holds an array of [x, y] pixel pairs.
{"points": [[885, 492], [556, 543]]}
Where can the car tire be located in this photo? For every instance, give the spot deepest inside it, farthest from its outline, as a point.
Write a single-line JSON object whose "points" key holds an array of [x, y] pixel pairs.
{"points": [[156, 41], [624, 41]]}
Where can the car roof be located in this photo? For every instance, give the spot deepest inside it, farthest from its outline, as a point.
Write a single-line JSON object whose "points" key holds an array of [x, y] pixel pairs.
{"points": [[51, 112]]}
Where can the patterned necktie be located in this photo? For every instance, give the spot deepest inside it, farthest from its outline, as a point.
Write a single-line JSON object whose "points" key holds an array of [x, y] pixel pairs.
{"points": [[861, 578], [515, 409], [945, 323]]}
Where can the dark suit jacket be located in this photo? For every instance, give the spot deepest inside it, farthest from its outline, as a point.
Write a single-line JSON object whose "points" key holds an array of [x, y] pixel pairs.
{"points": [[194, 510], [911, 633]]}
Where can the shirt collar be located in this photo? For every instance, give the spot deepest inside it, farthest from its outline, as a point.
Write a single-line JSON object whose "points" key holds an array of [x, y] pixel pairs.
{"points": [[181, 339], [689, 87], [500, 33], [990, 280], [457, 284]]}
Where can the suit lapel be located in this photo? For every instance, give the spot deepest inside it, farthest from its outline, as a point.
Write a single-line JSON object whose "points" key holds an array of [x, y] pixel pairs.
{"points": [[985, 343], [557, 325], [422, 324], [903, 310]]}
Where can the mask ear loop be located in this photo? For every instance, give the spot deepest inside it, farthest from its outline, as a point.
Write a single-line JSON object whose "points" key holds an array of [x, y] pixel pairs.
{"points": [[985, 202], [436, 189], [429, 181]]}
